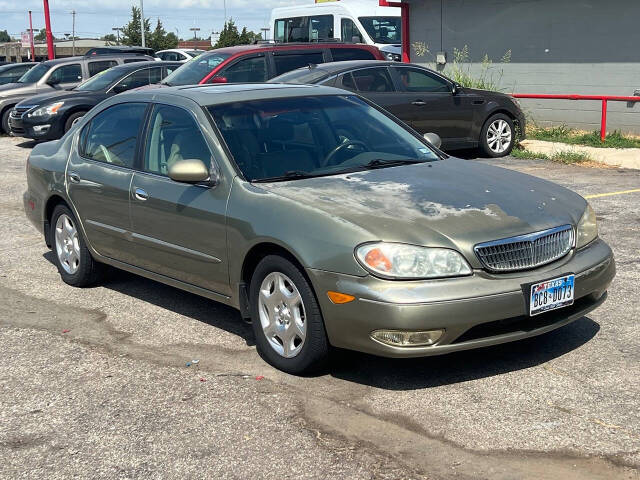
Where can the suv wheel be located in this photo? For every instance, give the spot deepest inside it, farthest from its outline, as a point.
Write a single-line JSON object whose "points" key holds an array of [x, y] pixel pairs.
{"points": [[498, 136], [287, 323]]}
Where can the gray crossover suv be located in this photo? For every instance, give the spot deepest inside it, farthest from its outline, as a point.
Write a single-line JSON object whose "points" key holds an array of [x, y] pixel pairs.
{"points": [[320, 217]]}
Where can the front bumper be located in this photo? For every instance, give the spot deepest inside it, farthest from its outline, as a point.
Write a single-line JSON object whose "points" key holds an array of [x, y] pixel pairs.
{"points": [[47, 130], [481, 310]]}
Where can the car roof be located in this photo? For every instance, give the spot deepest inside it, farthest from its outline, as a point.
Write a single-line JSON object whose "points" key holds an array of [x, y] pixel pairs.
{"points": [[207, 95], [125, 67], [8, 66], [105, 57], [336, 67], [289, 46]]}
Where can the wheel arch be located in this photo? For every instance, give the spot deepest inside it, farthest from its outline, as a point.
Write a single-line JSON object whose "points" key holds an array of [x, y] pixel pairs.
{"points": [[508, 113], [52, 202]]}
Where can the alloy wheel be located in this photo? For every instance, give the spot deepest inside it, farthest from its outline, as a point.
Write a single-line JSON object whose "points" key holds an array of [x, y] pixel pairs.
{"points": [[67, 244], [499, 136], [282, 314]]}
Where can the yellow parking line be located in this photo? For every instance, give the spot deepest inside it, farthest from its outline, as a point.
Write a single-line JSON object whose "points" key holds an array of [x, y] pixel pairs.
{"points": [[612, 193]]}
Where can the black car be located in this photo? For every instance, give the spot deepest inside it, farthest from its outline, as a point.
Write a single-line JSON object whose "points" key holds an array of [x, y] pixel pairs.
{"points": [[12, 72], [427, 101], [49, 116]]}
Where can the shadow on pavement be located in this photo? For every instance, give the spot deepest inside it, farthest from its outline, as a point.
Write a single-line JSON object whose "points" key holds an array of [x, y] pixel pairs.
{"points": [[184, 303], [417, 373], [386, 373]]}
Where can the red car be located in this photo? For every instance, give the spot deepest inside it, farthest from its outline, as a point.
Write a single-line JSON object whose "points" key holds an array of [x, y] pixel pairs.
{"points": [[261, 62]]}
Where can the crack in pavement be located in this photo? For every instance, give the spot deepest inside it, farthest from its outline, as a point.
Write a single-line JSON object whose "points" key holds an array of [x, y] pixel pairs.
{"points": [[330, 414]]}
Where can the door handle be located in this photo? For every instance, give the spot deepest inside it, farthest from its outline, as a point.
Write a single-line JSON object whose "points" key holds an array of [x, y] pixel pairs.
{"points": [[419, 103], [74, 177], [140, 194]]}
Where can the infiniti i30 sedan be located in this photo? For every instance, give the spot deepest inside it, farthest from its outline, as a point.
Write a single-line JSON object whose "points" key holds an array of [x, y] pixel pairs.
{"points": [[320, 217]]}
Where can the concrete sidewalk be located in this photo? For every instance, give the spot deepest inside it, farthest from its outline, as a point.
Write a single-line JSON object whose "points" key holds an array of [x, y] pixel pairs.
{"points": [[622, 157]]}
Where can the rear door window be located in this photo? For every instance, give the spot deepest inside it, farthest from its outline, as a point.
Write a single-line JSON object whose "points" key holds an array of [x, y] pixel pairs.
{"points": [[97, 67], [140, 78], [253, 69], [112, 135], [373, 80], [285, 62], [341, 54]]}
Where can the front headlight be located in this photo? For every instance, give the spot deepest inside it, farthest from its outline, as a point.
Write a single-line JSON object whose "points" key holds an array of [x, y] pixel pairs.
{"points": [[401, 261], [46, 111], [587, 227]]}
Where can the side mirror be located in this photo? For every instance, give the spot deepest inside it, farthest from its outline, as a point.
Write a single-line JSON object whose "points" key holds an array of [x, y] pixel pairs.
{"points": [[434, 139], [53, 82], [219, 80], [190, 171], [455, 88]]}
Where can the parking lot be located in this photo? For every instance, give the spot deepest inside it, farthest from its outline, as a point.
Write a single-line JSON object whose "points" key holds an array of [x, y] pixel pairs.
{"points": [[96, 380]]}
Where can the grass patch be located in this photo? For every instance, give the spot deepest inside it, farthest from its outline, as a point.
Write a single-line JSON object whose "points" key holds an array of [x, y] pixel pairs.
{"points": [[568, 135], [567, 158]]}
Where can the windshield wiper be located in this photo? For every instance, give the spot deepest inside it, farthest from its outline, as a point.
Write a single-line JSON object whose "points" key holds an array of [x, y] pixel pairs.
{"points": [[290, 175], [379, 163]]}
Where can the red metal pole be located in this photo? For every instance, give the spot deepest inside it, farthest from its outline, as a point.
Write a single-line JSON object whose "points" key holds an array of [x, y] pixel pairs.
{"points": [[47, 23], [603, 124], [33, 48], [406, 52]]}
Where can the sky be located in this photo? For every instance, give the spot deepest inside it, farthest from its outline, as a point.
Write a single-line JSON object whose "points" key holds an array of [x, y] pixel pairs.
{"points": [[96, 18]]}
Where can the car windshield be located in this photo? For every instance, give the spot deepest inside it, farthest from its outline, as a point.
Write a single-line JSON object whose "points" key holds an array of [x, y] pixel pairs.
{"points": [[289, 138], [101, 81], [301, 76], [383, 29], [35, 74], [192, 72]]}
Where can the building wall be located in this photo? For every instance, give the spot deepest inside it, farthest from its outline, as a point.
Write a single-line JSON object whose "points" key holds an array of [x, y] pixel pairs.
{"points": [[557, 46]]}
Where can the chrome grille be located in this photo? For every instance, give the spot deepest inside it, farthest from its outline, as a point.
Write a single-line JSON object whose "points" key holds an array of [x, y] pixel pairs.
{"points": [[18, 111], [526, 251]]}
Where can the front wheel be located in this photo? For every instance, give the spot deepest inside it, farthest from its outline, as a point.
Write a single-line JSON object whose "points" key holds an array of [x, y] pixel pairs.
{"points": [[498, 136], [72, 120], [4, 121], [286, 318]]}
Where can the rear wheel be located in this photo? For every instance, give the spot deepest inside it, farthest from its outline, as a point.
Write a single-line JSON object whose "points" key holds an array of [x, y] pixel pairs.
{"points": [[72, 120], [74, 261], [286, 318], [4, 120], [498, 136]]}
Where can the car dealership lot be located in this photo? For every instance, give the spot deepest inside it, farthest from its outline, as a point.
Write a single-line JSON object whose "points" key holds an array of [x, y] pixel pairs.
{"points": [[95, 382]]}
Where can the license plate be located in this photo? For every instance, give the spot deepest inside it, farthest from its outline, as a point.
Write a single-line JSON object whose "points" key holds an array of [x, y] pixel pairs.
{"points": [[551, 294]]}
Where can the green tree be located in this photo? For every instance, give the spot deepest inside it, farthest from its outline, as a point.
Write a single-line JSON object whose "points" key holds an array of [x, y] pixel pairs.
{"points": [[131, 34], [4, 36], [229, 36], [111, 38], [41, 36], [161, 40]]}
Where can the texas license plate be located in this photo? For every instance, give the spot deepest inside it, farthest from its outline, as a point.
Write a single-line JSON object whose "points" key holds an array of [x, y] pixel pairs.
{"points": [[551, 294]]}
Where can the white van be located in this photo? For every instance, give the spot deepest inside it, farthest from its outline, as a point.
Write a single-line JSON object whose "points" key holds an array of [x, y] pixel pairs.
{"points": [[357, 21]]}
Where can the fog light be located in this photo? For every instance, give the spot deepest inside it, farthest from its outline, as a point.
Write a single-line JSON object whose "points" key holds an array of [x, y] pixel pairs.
{"points": [[399, 338], [39, 129]]}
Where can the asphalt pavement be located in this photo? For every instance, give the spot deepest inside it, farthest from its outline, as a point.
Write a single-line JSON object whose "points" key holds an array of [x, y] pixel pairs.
{"points": [[94, 382]]}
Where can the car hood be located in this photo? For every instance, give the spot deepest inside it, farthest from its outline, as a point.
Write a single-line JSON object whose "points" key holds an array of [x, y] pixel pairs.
{"points": [[450, 203], [52, 97], [11, 89]]}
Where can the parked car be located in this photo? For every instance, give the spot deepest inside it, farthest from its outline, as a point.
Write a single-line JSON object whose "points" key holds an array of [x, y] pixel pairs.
{"points": [[12, 72], [319, 216], [428, 101], [120, 49], [51, 115], [258, 63], [60, 74], [179, 54]]}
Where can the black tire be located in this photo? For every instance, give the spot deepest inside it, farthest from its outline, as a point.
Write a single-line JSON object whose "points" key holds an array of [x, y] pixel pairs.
{"points": [[484, 142], [72, 118], [4, 121], [314, 354], [88, 271]]}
